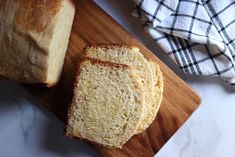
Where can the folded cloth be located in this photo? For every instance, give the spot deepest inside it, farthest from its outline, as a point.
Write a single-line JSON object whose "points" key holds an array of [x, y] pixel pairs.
{"points": [[199, 35]]}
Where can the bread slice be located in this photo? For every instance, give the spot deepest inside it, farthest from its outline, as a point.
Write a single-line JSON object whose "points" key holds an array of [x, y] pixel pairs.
{"points": [[159, 88], [33, 39], [107, 105], [131, 56], [157, 97]]}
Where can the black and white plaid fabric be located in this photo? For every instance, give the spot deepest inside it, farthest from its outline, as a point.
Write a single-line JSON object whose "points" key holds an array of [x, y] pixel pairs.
{"points": [[199, 35]]}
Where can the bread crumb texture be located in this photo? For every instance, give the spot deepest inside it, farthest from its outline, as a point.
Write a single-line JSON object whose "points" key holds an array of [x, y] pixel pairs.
{"points": [[107, 105], [132, 56], [117, 95]]}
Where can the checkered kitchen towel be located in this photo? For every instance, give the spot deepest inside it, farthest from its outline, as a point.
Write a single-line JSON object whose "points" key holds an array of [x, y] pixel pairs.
{"points": [[199, 35]]}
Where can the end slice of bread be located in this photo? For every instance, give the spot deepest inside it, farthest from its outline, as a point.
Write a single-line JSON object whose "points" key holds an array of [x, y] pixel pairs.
{"points": [[107, 105]]}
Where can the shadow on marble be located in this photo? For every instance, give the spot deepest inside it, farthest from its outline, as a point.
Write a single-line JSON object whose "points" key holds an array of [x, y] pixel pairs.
{"points": [[209, 80], [54, 141], [31, 129]]}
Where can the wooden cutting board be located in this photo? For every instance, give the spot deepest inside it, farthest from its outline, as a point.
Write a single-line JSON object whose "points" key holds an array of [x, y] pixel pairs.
{"points": [[93, 25]]}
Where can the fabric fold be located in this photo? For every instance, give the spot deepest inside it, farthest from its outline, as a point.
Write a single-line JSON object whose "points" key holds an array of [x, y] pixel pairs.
{"points": [[198, 35]]}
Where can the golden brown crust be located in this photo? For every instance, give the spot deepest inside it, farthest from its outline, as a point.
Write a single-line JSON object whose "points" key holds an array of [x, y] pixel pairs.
{"points": [[36, 15], [108, 45], [104, 63]]}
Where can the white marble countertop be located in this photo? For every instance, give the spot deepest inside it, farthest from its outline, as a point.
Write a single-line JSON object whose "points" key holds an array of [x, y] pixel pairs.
{"points": [[29, 130]]}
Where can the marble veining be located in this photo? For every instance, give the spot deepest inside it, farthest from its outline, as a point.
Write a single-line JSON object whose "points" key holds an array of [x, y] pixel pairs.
{"points": [[27, 119], [27, 129]]}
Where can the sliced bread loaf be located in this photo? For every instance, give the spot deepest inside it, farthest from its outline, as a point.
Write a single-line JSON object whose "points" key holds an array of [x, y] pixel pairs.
{"points": [[108, 103], [34, 35], [131, 56]]}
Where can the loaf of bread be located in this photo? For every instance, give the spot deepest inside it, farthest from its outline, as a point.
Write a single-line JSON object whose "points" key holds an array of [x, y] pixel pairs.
{"points": [[33, 39], [108, 103]]}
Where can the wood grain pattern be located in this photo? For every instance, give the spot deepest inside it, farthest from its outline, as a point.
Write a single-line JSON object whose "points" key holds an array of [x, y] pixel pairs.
{"points": [[93, 25]]}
